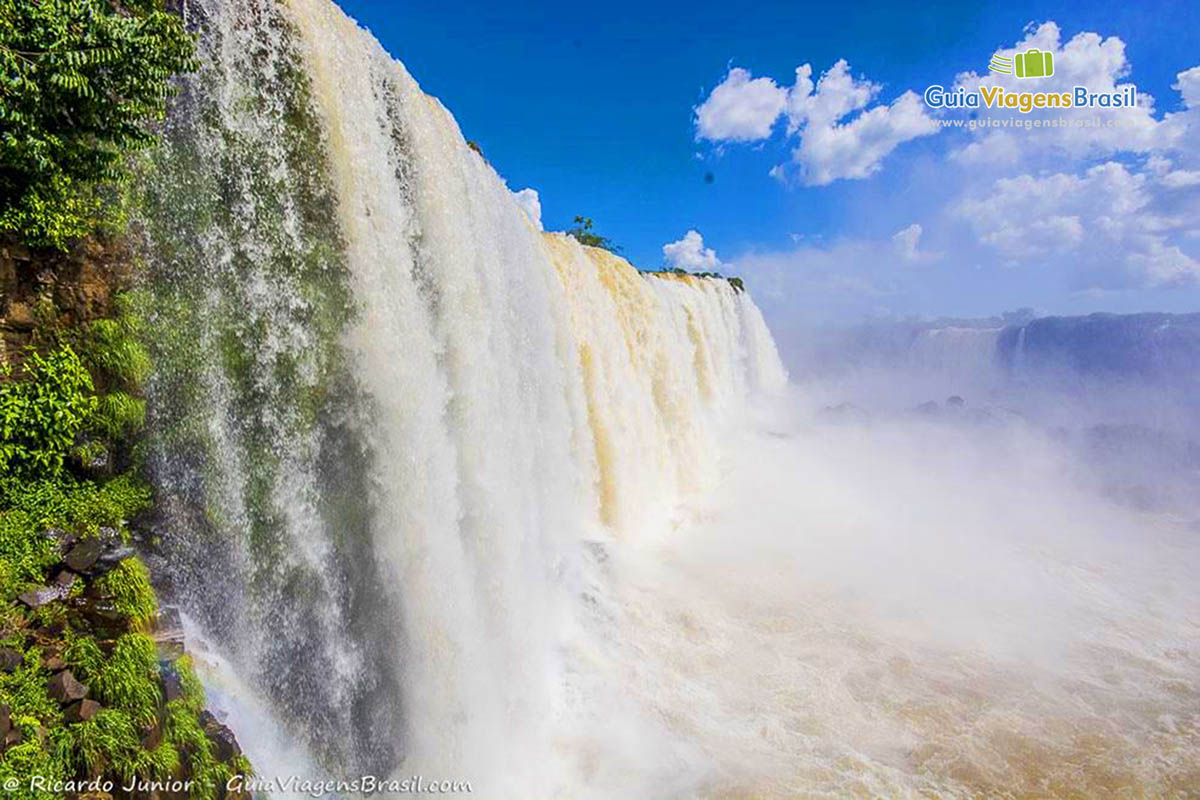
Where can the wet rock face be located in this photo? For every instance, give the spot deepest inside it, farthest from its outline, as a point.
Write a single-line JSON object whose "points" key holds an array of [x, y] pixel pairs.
{"points": [[79, 284], [83, 556], [221, 737]]}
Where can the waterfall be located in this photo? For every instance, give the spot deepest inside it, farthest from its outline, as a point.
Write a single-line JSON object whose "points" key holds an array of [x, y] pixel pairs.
{"points": [[393, 424]]}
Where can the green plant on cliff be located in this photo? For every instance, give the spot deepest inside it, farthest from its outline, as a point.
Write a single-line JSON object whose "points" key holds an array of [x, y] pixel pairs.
{"points": [[79, 82], [584, 233], [41, 416], [128, 588], [113, 348], [49, 411]]}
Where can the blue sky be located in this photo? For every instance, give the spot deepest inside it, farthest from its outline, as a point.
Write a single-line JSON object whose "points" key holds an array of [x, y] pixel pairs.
{"points": [[594, 106]]}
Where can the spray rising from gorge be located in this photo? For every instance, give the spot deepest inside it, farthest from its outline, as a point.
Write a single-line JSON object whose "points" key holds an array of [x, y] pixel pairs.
{"points": [[446, 494]]}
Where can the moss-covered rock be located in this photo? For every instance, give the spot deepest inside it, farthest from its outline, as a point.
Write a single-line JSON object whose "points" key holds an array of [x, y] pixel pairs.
{"points": [[87, 700]]}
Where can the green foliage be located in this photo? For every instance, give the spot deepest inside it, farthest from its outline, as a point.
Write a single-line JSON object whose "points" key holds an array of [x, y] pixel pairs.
{"points": [[50, 413], [79, 81], [45, 743], [113, 348], [48, 759], [107, 738], [184, 732], [584, 233], [83, 655], [128, 588], [24, 554], [128, 681], [118, 414], [41, 415], [71, 504], [737, 283], [24, 689], [193, 689]]}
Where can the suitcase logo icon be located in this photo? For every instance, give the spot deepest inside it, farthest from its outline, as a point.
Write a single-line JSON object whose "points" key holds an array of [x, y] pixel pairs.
{"points": [[1033, 63]]}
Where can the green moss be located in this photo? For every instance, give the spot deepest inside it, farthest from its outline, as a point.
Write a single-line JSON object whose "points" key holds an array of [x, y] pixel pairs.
{"points": [[193, 689], [113, 348], [184, 732], [128, 680], [128, 588]]}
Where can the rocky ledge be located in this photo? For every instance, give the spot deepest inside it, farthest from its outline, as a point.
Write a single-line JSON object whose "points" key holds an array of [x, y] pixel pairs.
{"points": [[74, 634]]}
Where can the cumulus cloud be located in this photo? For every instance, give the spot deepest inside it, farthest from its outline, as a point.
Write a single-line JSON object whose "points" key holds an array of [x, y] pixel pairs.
{"points": [[1027, 216], [1088, 60], [838, 135], [740, 109], [690, 253], [1073, 210], [531, 204]]}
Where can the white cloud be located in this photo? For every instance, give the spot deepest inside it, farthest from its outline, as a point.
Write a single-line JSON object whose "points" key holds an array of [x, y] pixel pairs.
{"points": [[690, 253], [531, 204], [1045, 216], [905, 242], [1188, 86], [832, 145], [1087, 59], [1106, 220], [740, 109]]}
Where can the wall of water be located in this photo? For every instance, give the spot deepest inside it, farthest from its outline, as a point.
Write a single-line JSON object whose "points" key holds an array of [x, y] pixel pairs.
{"points": [[393, 423]]}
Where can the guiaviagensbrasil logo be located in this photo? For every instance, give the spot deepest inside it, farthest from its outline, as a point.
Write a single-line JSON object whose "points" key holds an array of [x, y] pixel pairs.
{"points": [[1033, 63]]}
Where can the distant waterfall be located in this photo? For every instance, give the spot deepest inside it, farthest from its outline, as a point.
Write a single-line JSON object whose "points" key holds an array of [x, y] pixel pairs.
{"points": [[390, 417]]}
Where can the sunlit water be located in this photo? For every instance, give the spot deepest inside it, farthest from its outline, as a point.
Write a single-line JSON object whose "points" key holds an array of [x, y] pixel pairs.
{"points": [[447, 495]]}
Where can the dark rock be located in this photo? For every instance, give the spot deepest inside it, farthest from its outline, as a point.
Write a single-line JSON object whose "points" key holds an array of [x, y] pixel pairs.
{"points": [[36, 598], [81, 711], [14, 736], [10, 659], [84, 555], [152, 736], [115, 556], [66, 579], [172, 686], [5, 719], [225, 744], [52, 659], [64, 688]]}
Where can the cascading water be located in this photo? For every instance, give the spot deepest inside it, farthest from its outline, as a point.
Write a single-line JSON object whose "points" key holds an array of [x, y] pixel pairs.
{"points": [[394, 424], [442, 494]]}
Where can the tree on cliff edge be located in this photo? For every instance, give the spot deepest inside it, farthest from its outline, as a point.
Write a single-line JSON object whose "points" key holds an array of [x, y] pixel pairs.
{"points": [[583, 233]]}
